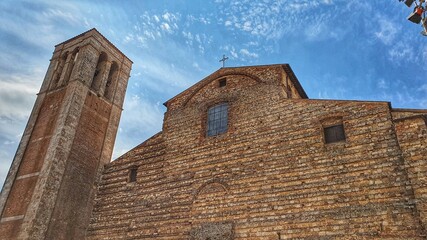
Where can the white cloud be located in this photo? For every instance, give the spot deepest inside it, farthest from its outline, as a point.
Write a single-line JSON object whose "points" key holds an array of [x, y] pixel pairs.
{"points": [[252, 43], [315, 30], [300, 6], [234, 53], [382, 84], [204, 20], [245, 52], [273, 19], [196, 66], [167, 16], [424, 57], [401, 52], [17, 96], [55, 14], [166, 27], [128, 38], [6, 161], [247, 26], [388, 30], [21, 94]]}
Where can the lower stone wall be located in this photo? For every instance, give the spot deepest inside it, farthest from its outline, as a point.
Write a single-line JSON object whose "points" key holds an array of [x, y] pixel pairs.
{"points": [[271, 177]]}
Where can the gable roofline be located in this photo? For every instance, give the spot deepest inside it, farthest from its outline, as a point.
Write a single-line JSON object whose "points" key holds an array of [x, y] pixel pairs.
{"points": [[143, 144], [294, 80], [100, 34], [286, 67], [414, 110]]}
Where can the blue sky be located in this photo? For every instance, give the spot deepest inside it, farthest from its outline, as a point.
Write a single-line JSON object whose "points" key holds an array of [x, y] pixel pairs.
{"points": [[339, 49]]}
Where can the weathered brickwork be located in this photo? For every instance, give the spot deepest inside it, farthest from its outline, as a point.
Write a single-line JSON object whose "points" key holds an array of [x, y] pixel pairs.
{"points": [[412, 136], [271, 175], [83, 162], [28, 172], [49, 190]]}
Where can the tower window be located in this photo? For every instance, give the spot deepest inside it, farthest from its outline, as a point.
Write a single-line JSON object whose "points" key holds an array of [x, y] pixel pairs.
{"points": [[217, 119], [222, 82], [334, 133], [132, 174]]}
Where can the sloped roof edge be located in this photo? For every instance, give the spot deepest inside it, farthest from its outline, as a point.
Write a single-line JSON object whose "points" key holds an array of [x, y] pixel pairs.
{"points": [[294, 80], [286, 68], [100, 34]]}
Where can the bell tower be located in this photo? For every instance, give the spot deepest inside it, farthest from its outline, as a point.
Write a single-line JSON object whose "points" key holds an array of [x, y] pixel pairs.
{"points": [[49, 190]]}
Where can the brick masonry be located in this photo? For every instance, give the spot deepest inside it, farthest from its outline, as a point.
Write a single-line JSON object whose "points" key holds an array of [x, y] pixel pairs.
{"points": [[49, 190], [271, 175]]}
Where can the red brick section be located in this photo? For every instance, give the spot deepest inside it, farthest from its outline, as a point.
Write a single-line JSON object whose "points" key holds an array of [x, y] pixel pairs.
{"points": [[10, 230], [23, 188], [41, 135], [271, 176]]}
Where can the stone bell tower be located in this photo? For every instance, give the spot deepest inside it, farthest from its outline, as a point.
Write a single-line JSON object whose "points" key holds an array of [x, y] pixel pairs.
{"points": [[49, 190]]}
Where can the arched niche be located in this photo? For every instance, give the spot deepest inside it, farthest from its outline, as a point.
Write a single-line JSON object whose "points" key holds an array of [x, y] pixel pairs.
{"points": [[214, 187], [211, 200], [99, 72], [111, 81], [58, 70], [71, 61]]}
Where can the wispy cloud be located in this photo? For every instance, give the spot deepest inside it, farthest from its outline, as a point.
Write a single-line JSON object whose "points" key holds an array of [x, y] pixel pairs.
{"points": [[382, 84], [245, 52], [388, 30], [151, 27], [273, 19], [401, 52], [40, 21]]}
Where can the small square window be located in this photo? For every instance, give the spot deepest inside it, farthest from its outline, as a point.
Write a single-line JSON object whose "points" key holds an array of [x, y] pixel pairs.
{"points": [[334, 133], [132, 174], [222, 82]]}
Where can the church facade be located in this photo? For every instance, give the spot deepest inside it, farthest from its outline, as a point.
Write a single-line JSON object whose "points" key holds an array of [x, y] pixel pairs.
{"points": [[243, 154]]}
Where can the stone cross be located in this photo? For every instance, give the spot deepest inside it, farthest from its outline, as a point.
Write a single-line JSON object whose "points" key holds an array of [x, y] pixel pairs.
{"points": [[224, 58]]}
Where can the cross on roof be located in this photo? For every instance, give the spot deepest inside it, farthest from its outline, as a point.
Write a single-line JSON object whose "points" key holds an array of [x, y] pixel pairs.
{"points": [[224, 58]]}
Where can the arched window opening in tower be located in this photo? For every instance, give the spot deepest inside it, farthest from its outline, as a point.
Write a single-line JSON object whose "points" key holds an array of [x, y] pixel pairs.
{"points": [[98, 74]]}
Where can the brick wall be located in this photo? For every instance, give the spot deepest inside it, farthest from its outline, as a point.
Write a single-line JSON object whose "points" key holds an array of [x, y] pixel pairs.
{"points": [[50, 187], [28, 172], [412, 136], [270, 176]]}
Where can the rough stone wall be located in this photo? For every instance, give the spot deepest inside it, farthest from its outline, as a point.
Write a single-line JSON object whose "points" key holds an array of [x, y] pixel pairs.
{"points": [[405, 113], [270, 176], [117, 197], [412, 135]]}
